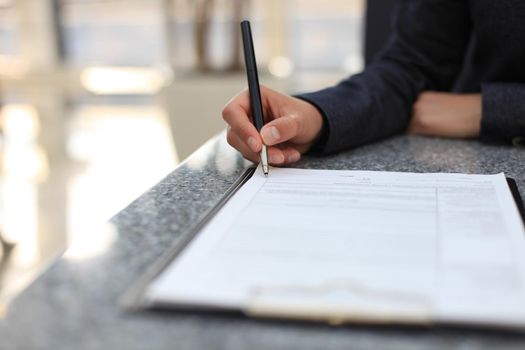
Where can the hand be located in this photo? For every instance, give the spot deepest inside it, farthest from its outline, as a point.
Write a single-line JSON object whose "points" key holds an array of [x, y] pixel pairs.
{"points": [[446, 114], [292, 126]]}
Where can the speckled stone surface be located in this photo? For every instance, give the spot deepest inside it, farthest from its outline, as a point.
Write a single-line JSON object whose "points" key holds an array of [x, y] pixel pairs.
{"points": [[73, 304]]}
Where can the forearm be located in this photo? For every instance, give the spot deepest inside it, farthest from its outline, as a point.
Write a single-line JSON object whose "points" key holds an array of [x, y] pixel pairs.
{"points": [[364, 108], [378, 102]]}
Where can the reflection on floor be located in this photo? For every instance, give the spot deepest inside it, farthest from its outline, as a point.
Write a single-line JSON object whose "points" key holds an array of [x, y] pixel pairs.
{"points": [[51, 202]]}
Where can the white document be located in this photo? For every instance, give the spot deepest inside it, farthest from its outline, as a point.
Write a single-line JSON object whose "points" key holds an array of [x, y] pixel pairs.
{"points": [[359, 245]]}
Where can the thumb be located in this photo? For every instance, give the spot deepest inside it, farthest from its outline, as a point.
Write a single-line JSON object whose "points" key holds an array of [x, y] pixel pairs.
{"points": [[281, 129]]}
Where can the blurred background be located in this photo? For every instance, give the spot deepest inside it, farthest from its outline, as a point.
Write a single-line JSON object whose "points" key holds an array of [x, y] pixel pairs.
{"points": [[100, 99]]}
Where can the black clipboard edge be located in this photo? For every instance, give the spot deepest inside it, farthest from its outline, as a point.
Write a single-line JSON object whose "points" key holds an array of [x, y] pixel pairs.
{"points": [[517, 197], [133, 298]]}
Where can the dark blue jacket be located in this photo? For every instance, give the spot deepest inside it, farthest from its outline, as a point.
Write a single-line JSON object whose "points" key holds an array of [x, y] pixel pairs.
{"points": [[439, 45]]}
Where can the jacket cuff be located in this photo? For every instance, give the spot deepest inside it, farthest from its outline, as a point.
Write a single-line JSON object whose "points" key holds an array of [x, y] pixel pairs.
{"points": [[319, 148], [336, 133], [503, 116]]}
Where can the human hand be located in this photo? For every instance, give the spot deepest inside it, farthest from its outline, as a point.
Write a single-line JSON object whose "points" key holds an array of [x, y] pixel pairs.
{"points": [[446, 114], [292, 126]]}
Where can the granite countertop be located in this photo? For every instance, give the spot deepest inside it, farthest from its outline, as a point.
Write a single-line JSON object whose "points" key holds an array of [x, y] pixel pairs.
{"points": [[73, 304]]}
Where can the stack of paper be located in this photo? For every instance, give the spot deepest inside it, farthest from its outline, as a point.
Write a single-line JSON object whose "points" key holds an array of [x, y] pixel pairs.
{"points": [[358, 245]]}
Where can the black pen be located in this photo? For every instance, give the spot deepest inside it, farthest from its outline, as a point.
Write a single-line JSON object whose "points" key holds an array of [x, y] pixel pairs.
{"points": [[253, 87]]}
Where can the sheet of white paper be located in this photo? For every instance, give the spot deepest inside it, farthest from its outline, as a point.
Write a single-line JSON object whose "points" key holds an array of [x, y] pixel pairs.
{"points": [[446, 247]]}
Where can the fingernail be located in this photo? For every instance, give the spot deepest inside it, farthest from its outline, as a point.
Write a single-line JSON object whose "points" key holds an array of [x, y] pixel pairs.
{"points": [[252, 143], [276, 158], [271, 134]]}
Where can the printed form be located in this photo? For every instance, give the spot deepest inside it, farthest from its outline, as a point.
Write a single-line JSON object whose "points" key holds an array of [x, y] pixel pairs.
{"points": [[343, 245]]}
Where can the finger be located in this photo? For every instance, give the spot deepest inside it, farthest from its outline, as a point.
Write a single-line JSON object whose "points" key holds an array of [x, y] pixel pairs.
{"points": [[243, 101], [283, 155], [236, 142], [281, 130], [291, 154], [237, 117], [276, 156]]}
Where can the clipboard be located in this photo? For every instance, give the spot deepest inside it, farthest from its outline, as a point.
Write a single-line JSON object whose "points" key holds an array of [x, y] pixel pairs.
{"points": [[134, 297]]}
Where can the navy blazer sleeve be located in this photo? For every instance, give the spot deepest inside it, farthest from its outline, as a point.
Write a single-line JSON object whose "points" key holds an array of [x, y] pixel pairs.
{"points": [[425, 52], [503, 112]]}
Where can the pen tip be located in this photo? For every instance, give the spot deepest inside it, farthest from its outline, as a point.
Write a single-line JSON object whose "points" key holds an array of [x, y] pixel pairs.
{"points": [[265, 169]]}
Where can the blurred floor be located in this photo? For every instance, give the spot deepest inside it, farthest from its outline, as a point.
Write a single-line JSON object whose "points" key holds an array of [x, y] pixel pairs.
{"points": [[70, 159], [48, 202], [104, 112]]}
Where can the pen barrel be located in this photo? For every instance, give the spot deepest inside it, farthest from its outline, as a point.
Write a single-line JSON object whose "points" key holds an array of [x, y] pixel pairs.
{"points": [[264, 159], [253, 78]]}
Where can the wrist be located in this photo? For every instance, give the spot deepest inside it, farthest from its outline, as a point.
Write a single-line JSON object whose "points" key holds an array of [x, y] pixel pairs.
{"points": [[315, 124], [474, 102]]}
